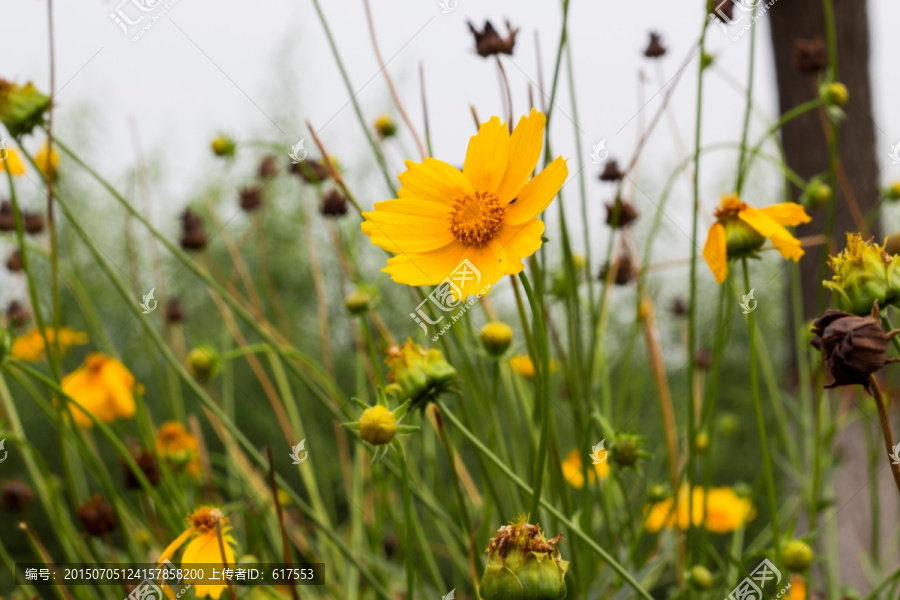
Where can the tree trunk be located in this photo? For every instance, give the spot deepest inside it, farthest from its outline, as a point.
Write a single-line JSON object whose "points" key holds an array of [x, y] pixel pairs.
{"points": [[806, 151], [804, 138]]}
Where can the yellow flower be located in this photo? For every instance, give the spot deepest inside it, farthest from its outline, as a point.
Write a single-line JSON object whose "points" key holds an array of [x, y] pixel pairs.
{"points": [[487, 214], [29, 347], [740, 230], [573, 473], [725, 511], [377, 425], [12, 163], [523, 364], [798, 588], [178, 448], [104, 387], [204, 548], [47, 160]]}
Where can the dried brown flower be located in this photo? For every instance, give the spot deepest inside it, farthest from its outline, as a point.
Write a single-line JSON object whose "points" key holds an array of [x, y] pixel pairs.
{"points": [[334, 204], [853, 347], [655, 47], [34, 223], [810, 56], [7, 217], [679, 307], [251, 198], [192, 235], [625, 270], [620, 213], [488, 41], [611, 172], [311, 171], [174, 311], [146, 461], [97, 516], [268, 167], [16, 495], [14, 262], [16, 314]]}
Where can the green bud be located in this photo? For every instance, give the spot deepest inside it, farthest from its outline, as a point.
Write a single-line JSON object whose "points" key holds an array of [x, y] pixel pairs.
{"points": [[224, 146], [797, 555], [358, 302], [893, 192], [203, 362], [835, 94], [523, 565], [496, 337], [817, 193], [700, 577], [741, 239], [626, 450], [863, 274]]}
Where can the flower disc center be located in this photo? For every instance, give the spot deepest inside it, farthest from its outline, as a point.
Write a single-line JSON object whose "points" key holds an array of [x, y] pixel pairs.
{"points": [[475, 219]]}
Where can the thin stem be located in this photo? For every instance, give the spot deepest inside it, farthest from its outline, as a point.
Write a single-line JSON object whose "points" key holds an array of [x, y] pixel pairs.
{"points": [[886, 430], [544, 349], [761, 425], [408, 517]]}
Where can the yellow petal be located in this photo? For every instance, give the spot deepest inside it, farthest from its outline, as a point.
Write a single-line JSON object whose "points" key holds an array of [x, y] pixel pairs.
{"points": [[485, 266], [204, 549], [538, 193], [434, 181], [169, 552], [120, 395], [408, 225], [487, 156], [525, 147], [787, 244], [787, 213], [89, 394], [715, 251], [521, 241], [12, 163]]}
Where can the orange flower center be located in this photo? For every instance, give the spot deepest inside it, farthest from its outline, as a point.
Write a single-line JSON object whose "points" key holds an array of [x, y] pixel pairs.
{"points": [[204, 520], [730, 208], [476, 219]]}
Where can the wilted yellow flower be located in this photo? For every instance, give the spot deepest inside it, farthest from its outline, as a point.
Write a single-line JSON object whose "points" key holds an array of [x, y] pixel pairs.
{"points": [[47, 160], [12, 162], [486, 214], [725, 511], [573, 473], [29, 347], [740, 230], [204, 548], [104, 387], [178, 447]]}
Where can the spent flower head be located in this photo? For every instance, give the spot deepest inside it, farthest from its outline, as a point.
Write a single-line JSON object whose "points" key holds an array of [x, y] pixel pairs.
{"points": [[22, 107], [524, 565], [863, 274]]}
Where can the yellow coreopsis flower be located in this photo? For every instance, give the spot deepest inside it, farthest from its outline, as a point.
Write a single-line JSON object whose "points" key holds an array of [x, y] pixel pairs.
{"points": [[178, 447], [725, 511], [572, 469], [204, 548], [740, 230], [30, 347], [486, 214], [522, 364], [102, 386], [47, 160], [12, 162]]}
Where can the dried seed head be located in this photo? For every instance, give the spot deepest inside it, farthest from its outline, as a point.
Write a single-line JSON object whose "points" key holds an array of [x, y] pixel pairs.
{"points": [[679, 307], [16, 314], [655, 47], [488, 41], [7, 217], [611, 172], [146, 462], [620, 213], [853, 347], [268, 167], [14, 262], [625, 270], [193, 237], [251, 198], [97, 516], [334, 204], [34, 223], [174, 311], [16, 495], [810, 56]]}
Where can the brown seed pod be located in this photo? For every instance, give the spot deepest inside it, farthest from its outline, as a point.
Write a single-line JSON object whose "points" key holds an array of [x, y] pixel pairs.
{"points": [[810, 56], [16, 495], [334, 204], [488, 41], [611, 172], [655, 47], [192, 235], [97, 516], [620, 213]]}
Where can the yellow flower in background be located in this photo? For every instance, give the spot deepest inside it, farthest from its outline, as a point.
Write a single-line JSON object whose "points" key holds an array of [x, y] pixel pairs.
{"points": [[798, 588], [522, 364], [47, 160], [725, 511], [178, 448], [29, 347], [574, 474], [104, 387], [740, 230], [204, 548], [12, 162], [486, 214]]}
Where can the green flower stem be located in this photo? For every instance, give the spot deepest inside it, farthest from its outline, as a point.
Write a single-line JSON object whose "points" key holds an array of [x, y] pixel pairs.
{"points": [[692, 306], [544, 382], [576, 530], [761, 425], [886, 431], [410, 534], [748, 100]]}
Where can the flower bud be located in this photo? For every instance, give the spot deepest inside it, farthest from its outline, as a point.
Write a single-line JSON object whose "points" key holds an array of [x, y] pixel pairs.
{"points": [[701, 443], [893, 192], [421, 374], [496, 337], [818, 193], [385, 126], [377, 425], [22, 108], [863, 274], [203, 362], [358, 302], [700, 577], [853, 347], [523, 565], [657, 493], [835, 94], [626, 450], [224, 146], [797, 555]]}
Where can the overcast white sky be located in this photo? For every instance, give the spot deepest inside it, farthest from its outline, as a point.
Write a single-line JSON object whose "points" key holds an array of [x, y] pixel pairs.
{"points": [[258, 70]]}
